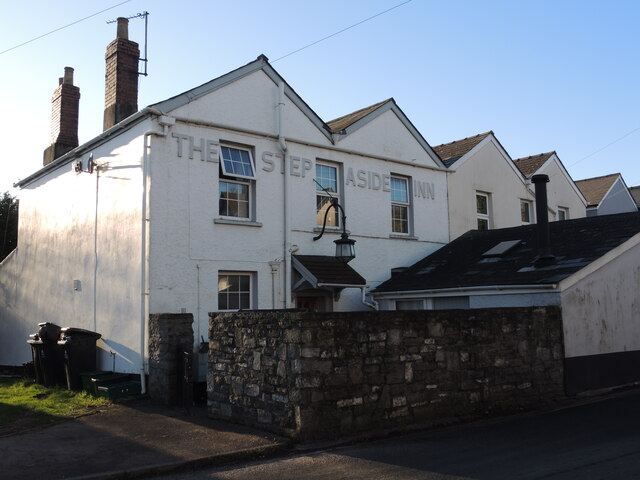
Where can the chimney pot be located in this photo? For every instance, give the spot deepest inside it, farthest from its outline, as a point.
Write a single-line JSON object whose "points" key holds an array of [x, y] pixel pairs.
{"points": [[123, 28], [68, 75]]}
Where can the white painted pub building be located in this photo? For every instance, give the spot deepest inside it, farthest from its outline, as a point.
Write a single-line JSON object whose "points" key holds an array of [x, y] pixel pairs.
{"points": [[210, 201]]}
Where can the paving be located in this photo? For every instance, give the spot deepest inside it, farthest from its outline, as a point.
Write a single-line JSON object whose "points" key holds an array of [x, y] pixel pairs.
{"points": [[130, 440], [141, 438]]}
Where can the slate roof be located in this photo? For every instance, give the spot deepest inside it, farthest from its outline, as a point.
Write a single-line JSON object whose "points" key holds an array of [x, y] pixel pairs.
{"points": [[451, 152], [461, 264], [330, 270], [635, 193], [531, 164], [345, 121], [594, 189]]}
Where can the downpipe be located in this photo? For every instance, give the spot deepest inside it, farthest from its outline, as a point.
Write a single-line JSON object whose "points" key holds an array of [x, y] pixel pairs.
{"points": [[165, 122]]}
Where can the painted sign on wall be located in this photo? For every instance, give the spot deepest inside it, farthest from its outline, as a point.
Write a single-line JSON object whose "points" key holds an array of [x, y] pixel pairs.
{"points": [[207, 150]]}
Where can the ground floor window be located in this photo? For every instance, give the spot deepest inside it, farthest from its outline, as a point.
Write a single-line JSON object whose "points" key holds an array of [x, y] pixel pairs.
{"points": [[412, 304], [234, 291]]}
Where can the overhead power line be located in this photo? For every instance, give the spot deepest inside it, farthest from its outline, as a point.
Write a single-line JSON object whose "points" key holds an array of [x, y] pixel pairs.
{"points": [[62, 28], [606, 146], [341, 31]]}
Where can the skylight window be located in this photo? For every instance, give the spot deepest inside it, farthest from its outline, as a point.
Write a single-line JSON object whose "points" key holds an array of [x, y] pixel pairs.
{"points": [[501, 249]]}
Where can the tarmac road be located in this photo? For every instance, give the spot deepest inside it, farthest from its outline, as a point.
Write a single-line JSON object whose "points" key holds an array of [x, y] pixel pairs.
{"points": [[596, 440]]}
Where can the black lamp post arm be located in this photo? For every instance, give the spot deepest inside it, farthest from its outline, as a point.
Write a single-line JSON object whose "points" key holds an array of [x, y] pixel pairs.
{"points": [[336, 205]]}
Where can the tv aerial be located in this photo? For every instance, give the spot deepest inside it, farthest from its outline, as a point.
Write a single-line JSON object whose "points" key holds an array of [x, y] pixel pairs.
{"points": [[144, 15]]}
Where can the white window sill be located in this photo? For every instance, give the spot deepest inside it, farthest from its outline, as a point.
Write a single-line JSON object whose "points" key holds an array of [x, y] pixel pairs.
{"points": [[330, 230], [402, 237], [231, 221]]}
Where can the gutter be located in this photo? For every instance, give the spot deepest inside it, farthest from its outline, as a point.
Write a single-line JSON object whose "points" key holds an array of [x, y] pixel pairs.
{"points": [[203, 123], [490, 289]]}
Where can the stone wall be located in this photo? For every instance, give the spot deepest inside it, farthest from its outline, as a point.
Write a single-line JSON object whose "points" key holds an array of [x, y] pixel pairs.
{"points": [[169, 334], [323, 375]]}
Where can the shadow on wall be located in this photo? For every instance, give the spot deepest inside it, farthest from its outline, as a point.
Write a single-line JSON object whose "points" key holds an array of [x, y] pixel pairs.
{"points": [[117, 357]]}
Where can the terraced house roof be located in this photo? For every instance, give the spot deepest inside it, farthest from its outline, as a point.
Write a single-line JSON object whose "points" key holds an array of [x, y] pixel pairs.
{"points": [[345, 121], [635, 193], [594, 189], [531, 164], [476, 259], [451, 152]]}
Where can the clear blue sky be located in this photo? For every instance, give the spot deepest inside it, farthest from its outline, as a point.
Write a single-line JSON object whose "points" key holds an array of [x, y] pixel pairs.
{"points": [[543, 75]]}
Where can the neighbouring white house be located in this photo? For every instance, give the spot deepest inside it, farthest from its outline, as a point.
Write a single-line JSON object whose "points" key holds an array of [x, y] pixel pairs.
{"points": [[590, 267], [606, 195], [210, 201], [486, 190], [565, 200]]}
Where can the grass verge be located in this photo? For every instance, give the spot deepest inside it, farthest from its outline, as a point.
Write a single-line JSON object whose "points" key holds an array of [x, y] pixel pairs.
{"points": [[25, 405]]}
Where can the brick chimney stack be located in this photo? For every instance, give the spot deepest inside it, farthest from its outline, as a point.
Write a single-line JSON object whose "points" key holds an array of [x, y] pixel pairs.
{"points": [[65, 104], [121, 78]]}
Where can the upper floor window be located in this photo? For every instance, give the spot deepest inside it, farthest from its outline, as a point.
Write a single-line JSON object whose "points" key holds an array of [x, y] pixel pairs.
{"points": [[483, 214], [327, 177], [563, 213], [237, 162], [399, 205], [234, 291], [236, 173], [525, 212]]}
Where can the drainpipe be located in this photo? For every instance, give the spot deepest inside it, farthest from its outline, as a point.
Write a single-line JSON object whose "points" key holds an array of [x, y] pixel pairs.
{"points": [[372, 304], [283, 146], [165, 122], [274, 271]]}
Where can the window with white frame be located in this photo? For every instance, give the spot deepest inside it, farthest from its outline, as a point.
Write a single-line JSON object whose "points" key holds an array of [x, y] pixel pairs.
{"points": [[563, 213], [328, 188], [483, 212], [525, 212], [237, 173], [400, 205], [411, 304], [234, 291]]}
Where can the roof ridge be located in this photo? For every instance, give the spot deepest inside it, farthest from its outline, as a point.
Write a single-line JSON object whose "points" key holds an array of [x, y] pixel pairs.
{"points": [[490, 132], [377, 105], [599, 177], [536, 155]]}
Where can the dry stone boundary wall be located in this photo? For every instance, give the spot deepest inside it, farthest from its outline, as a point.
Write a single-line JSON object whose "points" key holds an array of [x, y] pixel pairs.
{"points": [[315, 376]]}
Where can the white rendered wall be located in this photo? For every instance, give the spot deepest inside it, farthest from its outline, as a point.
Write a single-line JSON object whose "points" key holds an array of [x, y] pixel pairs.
{"points": [[487, 171], [514, 300], [385, 136], [191, 244], [249, 103], [561, 193], [486, 301], [601, 312], [617, 200], [85, 228]]}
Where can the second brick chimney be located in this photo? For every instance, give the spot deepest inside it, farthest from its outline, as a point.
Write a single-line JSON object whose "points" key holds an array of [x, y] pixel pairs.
{"points": [[121, 78], [65, 104]]}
